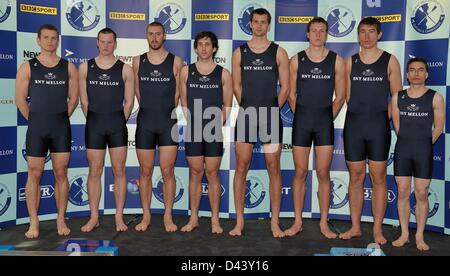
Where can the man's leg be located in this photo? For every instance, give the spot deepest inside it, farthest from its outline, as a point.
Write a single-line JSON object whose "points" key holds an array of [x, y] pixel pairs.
{"points": [[272, 156], [60, 162], [244, 153], [214, 191], [33, 193], [196, 168], [146, 162], [377, 170], [421, 189], [324, 154], [301, 159], [357, 171], [118, 158], [168, 156], [404, 193], [96, 159]]}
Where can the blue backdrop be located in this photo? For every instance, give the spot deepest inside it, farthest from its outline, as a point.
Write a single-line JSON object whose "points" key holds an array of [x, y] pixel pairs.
{"points": [[410, 28]]}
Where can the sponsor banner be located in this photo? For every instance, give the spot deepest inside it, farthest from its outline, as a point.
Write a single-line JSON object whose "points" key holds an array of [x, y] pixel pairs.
{"points": [[8, 107], [342, 18], [47, 203], [31, 14], [130, 20], [257, 198], [8, 58], [8, 198], [437, 60], [205, 206], [8, 150], [392, 16], [287, 202], [83, 17], [8, 15], [427, 19], [214, 16], [175, 17], [78, 49], [291, 19]]}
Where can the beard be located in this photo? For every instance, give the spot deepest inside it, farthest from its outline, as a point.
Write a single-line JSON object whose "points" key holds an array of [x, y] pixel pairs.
{"points": [[156, 46]]}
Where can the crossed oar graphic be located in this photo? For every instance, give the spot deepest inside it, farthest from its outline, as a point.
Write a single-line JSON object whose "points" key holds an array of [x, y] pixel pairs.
{"points": [[339, 19], [171, 17], [83, 14], [335, 194], [82, 189], [250, 190], [248, 23], [427, 15]]}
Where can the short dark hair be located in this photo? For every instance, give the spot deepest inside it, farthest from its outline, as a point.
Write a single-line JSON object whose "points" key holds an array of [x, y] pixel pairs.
{"points": [[157, 24], [47, 27], [316, 20], [107, 31], [371, 21], [417, 59], [210, 35], [261, 11]]}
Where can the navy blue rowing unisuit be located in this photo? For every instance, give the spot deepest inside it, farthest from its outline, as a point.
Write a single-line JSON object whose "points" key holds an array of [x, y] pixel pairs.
{"points": [[313, 117], [105, 123], [48, 120], [207, 90], [367, 133], [414, 147], [259, 115], [157, 87]]}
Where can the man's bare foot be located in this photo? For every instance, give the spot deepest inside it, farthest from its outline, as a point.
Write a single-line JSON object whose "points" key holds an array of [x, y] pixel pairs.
{"points": [[215, 227], [33, 231], [326, 231], [169, 225], [295, 229], [420, 243], [401, 241], [350, 234], [276, 230], [120, 225], [237, 230], [62, 228], [144, 224], [379, 238], [192, 224], [90, 225]]}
